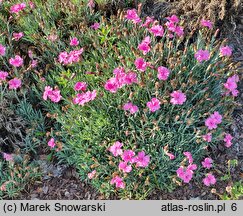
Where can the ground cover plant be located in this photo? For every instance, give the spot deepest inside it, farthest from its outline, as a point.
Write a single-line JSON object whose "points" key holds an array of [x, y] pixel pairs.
{"points": [[134, 104]]}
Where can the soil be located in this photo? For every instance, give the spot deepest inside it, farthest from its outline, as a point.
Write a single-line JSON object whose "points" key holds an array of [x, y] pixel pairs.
{"points": [[61, 182]]}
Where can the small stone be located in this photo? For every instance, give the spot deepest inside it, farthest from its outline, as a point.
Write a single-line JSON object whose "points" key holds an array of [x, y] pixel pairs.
{"points": [[45, 189], [33, 196], [195, 198], [67, 194]]}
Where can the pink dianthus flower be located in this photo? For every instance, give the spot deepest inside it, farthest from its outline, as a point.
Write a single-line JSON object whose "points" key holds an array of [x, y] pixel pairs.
{"points": [[226, 51], [118, 181], [141, 159], [202, 55], [153, 105], [14, 83], [177, 97], [209, 180], [74, 42], [17, 61], [228, 138], [51, 143], [206, 23], [157, 30], [207, 163], [115, 149], [133, 16], [163, 73]]}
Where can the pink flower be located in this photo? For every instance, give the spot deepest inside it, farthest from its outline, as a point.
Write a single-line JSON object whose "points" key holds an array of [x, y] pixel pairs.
{"points": [[192, 167], [177, 97], [95, 26], [217, 117], [2, 50], [121, 78], [130, 107], [127, 106], [17, 61], [119, 71], [141, 64], [147, 22], [130, 78], [132, 15], [91, 4], [69, 58], [202, 55], [47, 92], [173, 19], [30, 54], [7, 157], [32, 5], [179, 31], [185, 175], [74, 42], [112, 85], [228, 138], [170, 35], [133, 109], [80, 86], [82, 99], [17, 36], [74, 56], [17, 8], [231, 85], [128, 155], [118, 181], [34, 63], [153, 105], [124, 167], [189, 157], [209, 180], [92, 174], [235, 92], [226, 51], [157, 30], [211, 123], [163, 73], [14, 83], [235, 78], [145, 45], [206, 23], [51, 143], [3, 75], [207, 163], [62, 58], [213, 120], [207, 137], [53, 95], [141, 159], [180, 172], [115, 149], [171, 26]]}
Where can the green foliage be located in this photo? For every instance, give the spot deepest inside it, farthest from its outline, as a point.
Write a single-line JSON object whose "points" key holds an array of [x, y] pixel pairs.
{"points": [[85, 133], [228, 175], [15, 175], [234, 192]]}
